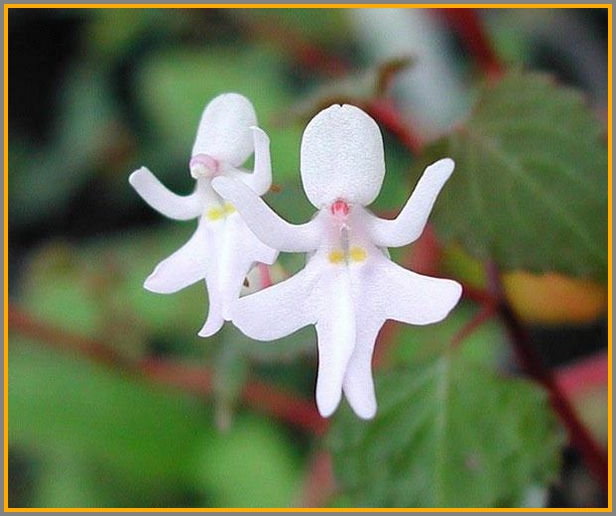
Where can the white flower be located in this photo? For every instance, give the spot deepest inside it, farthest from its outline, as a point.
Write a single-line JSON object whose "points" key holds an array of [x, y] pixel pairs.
{"points": [[222, 250], [349, 286]]}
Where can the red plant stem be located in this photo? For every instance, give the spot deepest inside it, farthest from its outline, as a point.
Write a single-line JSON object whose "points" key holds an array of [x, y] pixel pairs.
{"points": [[196, 380], [474, 37], [530, 361], [486, 312], [320, 483], [585, 375], [385, 113]]}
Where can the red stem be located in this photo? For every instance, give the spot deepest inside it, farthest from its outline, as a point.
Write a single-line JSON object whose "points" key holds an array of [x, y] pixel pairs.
{"points": [[471, 30], [189, 378], [531, 363], [486, 312], [385, 113], [320, 483]]}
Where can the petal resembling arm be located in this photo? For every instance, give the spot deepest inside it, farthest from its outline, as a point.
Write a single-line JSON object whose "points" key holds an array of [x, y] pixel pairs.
{"points": [[159, 197], [264, 222], [261, 178], [410, 223]]}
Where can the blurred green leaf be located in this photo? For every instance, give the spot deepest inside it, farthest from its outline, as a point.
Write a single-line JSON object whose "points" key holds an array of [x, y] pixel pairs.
{"points": [[530, 185], [254, 464], [486, 345], [85, 288], [145, 431], [449, 433], [322, 26], [112, 32]]}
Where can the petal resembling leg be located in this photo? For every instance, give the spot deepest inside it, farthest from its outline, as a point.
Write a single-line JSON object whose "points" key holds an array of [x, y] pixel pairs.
{"points": [[164, 201], [240, 251], [279, 310], [412, 298], [336, 330], [358, 385], [186, 266], [215, 318]]}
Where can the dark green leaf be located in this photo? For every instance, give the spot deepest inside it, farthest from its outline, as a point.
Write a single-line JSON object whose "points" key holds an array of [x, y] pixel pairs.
{"points": [[530, 185], [449, 433]]}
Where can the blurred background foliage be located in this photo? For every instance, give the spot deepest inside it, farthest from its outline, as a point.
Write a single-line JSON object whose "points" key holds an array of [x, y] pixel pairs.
{"points": [[96, 93]]}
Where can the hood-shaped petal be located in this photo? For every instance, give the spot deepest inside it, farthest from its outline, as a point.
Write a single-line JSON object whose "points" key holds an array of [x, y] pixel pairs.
{"points": [[342, 157], [224, 131]]}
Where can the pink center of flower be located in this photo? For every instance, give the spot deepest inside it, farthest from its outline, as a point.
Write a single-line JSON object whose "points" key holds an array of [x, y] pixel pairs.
{"points": [[339, 208], [202, 165]]}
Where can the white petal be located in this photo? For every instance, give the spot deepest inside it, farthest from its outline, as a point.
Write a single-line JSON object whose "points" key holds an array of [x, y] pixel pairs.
{"points": [[261, 178], [241, 249], [186, 266], [342, 157], [409, 224], [279, 310], [336, 332], [269, 227], [215, 318], [163, 200], [358, 385], [412, 298], [224, 131]]}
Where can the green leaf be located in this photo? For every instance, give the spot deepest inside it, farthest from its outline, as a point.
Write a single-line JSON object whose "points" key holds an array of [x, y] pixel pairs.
{"points": [[530, 186], [58, 402], [449, 433], [254, 464]]}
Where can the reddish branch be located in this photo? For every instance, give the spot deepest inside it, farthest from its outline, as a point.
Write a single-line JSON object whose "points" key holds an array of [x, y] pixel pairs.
{"points": [[385, 113], [189, 378], [469, 27], [530, 361]]}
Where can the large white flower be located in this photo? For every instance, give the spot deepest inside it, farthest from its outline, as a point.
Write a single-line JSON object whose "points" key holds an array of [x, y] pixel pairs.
{"points": [[222, 250], [349, 286]]}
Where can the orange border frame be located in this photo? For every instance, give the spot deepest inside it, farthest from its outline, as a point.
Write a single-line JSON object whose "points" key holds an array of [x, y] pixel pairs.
{"points": [[317, 6]]}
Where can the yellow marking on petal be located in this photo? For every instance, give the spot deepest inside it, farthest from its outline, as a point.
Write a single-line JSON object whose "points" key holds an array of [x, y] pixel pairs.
{"points": [[357, 254], [336, 256], [229, 208], [215, 213]]}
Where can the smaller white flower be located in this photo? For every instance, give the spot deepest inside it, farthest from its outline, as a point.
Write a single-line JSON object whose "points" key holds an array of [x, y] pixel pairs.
{"points": [[222, 250], [349, 286]]}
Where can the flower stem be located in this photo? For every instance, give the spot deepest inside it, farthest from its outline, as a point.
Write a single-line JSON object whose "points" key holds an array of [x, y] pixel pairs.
{"points": [[530, 361], [469, 27], [385, 113], [190, 378]]}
